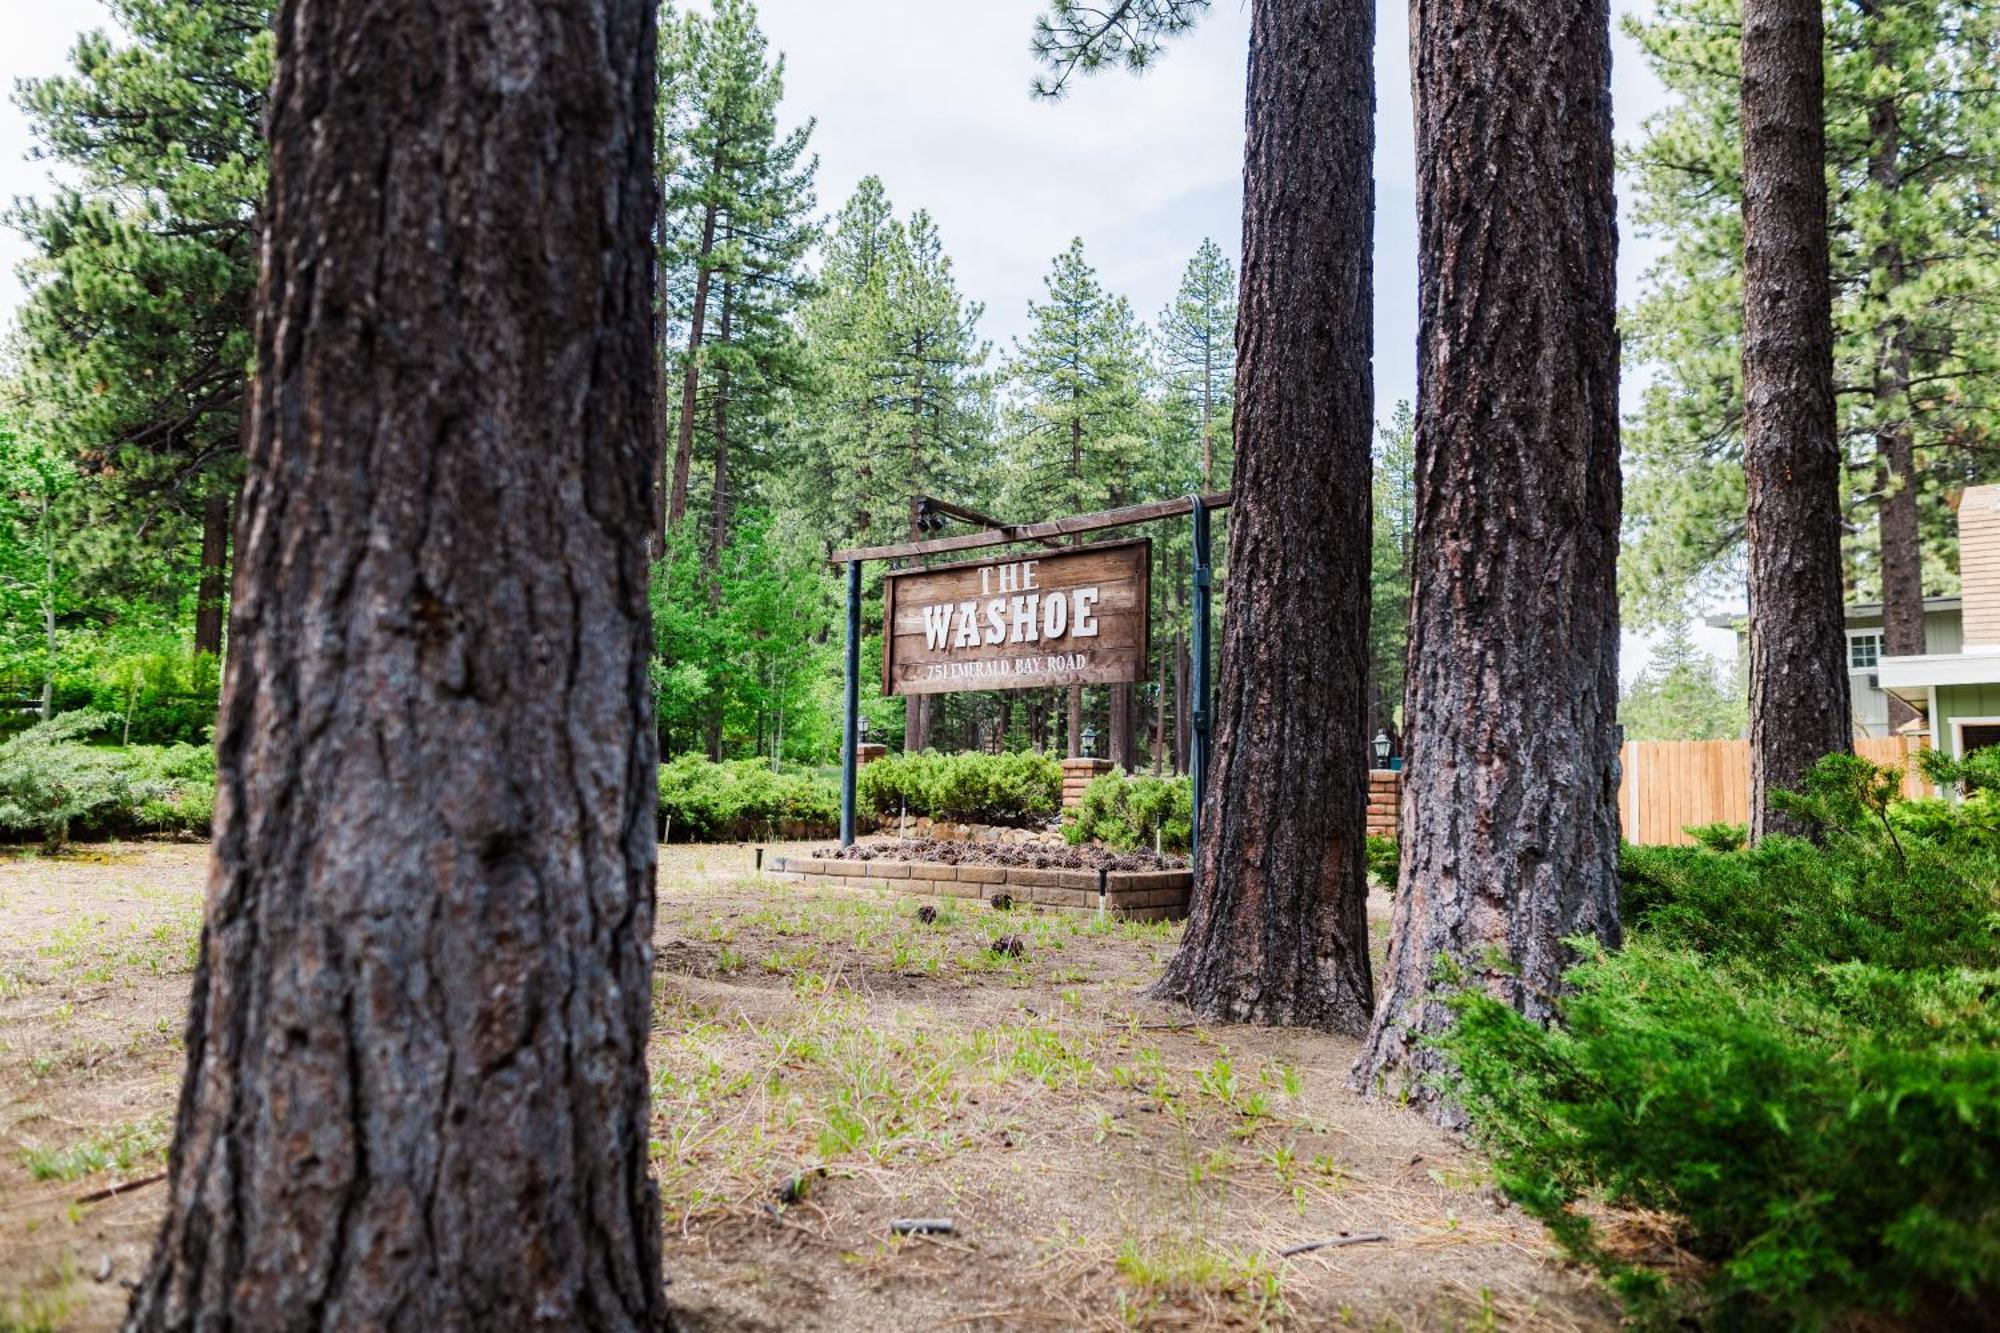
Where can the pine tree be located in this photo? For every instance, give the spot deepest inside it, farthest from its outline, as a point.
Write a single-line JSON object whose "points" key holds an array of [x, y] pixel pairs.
{"points": [[1791, 466], [1078, 427], [1197, 342], [415, 1089], [737, 226], [1683, 694], [1912, 149], [1510, 819], [1389, 568], [134, 340]]}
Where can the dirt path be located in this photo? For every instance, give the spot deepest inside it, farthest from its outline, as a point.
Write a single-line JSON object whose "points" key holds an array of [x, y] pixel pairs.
{"points": [[823, 1063]]}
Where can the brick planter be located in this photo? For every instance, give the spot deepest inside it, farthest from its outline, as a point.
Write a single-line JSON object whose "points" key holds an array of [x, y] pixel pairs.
{"points": [[1150, 895]]}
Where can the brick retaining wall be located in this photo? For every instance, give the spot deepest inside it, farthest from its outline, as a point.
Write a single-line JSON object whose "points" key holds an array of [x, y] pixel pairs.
{"points": [[1153, 895]]}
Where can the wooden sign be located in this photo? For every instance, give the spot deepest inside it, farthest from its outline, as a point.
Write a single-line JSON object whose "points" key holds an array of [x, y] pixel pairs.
{"points": [[1080, 616]]}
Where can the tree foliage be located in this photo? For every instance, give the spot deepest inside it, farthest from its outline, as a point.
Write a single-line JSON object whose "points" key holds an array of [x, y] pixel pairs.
{"points": [[1913, 148]]}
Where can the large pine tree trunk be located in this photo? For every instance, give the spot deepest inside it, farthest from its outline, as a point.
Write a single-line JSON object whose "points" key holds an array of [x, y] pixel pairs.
{"points": [[1799, 708], [1509, 814], [416, 1089], [1896, 515], [677, 490], [211, 604], [1277, 931]]}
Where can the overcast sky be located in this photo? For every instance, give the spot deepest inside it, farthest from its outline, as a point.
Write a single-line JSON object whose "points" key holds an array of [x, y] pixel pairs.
{"points": [[932, 96]]}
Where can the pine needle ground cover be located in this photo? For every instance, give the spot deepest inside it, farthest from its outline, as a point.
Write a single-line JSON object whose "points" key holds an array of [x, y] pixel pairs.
{"points": [[824, 1063]]}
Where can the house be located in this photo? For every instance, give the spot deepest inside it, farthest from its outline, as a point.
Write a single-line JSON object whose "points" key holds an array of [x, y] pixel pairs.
{"points": [[1869, 697], [1954, 686], [1942, 637]]}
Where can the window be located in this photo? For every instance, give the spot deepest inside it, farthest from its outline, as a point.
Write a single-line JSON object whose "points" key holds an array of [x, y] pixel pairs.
{"points": [[1863, 651], [1971, 737]]}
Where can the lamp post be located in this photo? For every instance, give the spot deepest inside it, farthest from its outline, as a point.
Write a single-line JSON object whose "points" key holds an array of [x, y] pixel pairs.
{"points": [[1089, 742], [1381, 749]]}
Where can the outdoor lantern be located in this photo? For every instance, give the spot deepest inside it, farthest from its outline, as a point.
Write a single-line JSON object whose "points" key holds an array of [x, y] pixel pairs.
{"points": [[1381, 749], [862, 725], [1089, 741]]}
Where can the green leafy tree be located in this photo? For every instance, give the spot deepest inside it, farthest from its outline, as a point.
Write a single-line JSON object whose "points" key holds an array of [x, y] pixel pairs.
{"points": [[36, 587], [134, 342], [1913, 148]]}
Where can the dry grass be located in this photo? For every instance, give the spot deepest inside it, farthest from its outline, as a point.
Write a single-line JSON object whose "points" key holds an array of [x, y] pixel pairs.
{"points": [[824, 1062]]}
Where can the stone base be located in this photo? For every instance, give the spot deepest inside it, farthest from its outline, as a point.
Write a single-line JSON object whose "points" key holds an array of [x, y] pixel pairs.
{"points": [[1078, 774], [1153, 895]]}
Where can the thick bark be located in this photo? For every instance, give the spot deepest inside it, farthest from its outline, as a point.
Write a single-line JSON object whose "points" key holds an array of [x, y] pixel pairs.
{"points": [[416, 1090], [1509, 811], [1799, 707], [1896, 512], [677, 492], [210, 602], [1277, 931], [718, 508]]}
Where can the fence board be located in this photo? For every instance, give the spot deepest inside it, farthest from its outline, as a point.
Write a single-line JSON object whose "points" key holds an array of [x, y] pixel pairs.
{"points": [[1668, 787]]}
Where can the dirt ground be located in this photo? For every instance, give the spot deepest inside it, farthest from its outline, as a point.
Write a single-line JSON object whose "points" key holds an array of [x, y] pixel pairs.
{"points": [[824, 1063]]}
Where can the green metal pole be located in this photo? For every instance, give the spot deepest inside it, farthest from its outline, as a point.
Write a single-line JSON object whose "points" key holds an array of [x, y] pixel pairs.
{"points": [[851, 704], [1203, 702]]}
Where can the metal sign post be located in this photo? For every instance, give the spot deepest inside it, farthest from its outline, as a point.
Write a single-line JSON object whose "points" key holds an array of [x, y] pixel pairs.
{"points": [[1001, 621], [1204, 703], [850, 717]]}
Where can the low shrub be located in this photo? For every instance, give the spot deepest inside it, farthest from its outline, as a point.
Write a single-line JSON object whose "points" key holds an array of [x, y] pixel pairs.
{"points": [[1384, 861], [703, 801], [1796, 1055], [53, 786], [1126, 812], [1015, 788]]}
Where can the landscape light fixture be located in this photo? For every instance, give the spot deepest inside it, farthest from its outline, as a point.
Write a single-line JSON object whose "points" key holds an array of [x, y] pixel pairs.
{"points": [[861, 727], [1381, 749], [1089, 742]]}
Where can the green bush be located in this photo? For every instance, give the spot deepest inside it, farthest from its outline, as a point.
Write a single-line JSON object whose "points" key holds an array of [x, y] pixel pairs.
{"points": [[1797, 1054], [1125, 812], [1012, 788], [53, 786], [162, 697], [1384, 861], [702, 801]]}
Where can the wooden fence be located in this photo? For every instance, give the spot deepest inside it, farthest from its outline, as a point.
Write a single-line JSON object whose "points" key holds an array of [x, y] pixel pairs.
{"points": [[1670, 786]]}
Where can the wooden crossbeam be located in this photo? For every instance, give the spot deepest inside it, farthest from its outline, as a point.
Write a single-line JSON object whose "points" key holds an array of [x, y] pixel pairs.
{"points": [[1036, 532]]}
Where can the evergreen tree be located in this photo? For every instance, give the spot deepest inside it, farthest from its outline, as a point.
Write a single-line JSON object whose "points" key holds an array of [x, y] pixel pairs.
{"points": [[1912, 150], [901, 406], [415, 1091], [737, 226], [1791, 469], [1683, 694], [134, 340], [1197, 345], [1078, 427], [1510, 845], [1389, 565]]}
